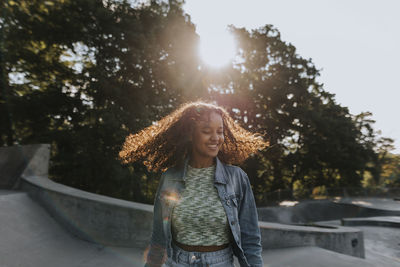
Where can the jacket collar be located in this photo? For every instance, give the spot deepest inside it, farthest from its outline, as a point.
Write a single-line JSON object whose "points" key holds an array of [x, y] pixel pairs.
{"points": [[219, 171]]}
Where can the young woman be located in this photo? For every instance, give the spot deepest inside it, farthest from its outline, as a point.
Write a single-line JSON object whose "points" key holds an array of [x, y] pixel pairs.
{"points": [[204, 209]]}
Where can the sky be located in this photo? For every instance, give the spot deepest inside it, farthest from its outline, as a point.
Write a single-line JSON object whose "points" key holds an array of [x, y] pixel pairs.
{"points": [[354, 43]]}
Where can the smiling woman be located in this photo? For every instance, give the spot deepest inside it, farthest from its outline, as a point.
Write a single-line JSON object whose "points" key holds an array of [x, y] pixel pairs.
{"points": [[217, 48], [204, 209]]}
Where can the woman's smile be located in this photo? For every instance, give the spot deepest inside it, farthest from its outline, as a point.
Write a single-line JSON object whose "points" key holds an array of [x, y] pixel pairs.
{"points": [[213, 146], [207, 139]]}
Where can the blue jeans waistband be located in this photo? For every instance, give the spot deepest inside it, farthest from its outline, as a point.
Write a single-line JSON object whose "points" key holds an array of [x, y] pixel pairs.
{"points": [[202, 258]]}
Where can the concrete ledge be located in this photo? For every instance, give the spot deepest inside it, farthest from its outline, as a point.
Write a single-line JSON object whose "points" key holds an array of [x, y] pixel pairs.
{"points": [[343, 240], [311, 257], [95, 218], [307, 211], [387, 221], [390, 206], [114, 222], [325, 210], [28, 159], [30, 237]]}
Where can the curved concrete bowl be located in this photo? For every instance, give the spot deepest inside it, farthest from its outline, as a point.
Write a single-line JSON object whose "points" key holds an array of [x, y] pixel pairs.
{"points": [[95, 218], [384, 221], [323, 210], [92, 217], [116, 222], [343, 240]]}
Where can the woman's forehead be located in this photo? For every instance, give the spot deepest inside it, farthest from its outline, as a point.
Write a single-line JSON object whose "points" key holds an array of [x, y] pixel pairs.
{"points": [[209, 119]]}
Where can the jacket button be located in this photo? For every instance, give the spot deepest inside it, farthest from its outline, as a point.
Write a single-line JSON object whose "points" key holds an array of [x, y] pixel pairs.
{"points": [[228, 202], [233, 222]]}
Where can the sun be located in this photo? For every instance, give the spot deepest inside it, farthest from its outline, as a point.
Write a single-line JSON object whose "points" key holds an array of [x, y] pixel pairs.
{"points": [[217, 49]]}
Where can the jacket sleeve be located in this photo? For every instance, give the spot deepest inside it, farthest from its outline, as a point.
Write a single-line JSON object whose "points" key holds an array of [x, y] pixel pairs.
{"points": [[249, 229], [156, 252]]}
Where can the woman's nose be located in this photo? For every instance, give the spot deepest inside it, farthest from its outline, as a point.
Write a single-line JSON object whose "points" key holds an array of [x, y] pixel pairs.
{"points": [[214, 136]]}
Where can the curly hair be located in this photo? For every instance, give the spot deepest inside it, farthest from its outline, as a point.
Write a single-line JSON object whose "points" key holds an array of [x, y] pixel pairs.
{"points": [[167, 143]]}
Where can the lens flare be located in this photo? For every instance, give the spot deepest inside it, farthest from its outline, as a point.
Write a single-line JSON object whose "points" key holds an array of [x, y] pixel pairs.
{"points": [[217, 49]]}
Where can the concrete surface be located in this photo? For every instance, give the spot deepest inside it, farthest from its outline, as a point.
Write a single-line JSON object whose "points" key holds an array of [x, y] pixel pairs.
{"points": [[109, 221], [343, 240], [7, 192], [114, 222], [36, 225], [16, 161], [382, 245], [386, 204], [31, 238], [311, 257], [92, 217], [307, 211], [387, 221], [327, 209]]}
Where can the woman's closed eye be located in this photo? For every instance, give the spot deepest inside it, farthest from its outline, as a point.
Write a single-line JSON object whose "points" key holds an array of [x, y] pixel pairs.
{"points": [[210, 132]]}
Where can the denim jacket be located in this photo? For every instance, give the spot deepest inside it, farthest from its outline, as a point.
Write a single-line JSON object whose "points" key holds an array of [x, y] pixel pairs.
{"points": [[237, 199]]}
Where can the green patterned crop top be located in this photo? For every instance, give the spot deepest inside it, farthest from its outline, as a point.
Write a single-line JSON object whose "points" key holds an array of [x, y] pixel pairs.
{"points": [[199, 218]]}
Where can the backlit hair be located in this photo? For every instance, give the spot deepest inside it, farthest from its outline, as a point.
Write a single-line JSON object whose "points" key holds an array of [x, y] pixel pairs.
{"points": [[166, 143]]}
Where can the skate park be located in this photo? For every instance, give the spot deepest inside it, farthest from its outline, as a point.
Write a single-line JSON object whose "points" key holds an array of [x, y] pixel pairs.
{"points": [[49, 224]]}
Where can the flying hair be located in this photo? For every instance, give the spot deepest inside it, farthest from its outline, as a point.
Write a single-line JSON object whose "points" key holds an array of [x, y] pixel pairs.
{"points": [[167, 143]]}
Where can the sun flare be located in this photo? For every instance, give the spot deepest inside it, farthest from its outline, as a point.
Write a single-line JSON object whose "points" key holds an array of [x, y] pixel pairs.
{"points": [[217, 49]]}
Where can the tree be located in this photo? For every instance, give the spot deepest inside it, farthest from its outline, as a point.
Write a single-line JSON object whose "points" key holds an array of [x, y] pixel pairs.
{"points": [[390, 176], [82, 75], [93, 72], [314, 141]]}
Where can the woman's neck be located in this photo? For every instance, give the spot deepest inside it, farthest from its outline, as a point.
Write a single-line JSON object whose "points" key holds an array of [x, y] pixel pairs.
{"points": [[201, 162]]}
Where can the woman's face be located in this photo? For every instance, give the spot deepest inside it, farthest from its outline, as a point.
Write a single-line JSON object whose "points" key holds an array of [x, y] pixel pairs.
{"points": [[207, 138]]}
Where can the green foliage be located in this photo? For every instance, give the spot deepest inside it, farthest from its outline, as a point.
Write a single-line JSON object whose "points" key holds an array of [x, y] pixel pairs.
{"points": [[93, 72], [390, 176], [314, 141], [82, 75]]}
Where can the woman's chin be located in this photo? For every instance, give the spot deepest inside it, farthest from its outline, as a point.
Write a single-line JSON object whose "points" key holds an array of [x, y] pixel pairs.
{"points": [[213, 154]]}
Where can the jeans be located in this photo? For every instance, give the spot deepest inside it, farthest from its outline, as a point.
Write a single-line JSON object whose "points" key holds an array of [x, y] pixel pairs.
{"points": [[183, 258]]}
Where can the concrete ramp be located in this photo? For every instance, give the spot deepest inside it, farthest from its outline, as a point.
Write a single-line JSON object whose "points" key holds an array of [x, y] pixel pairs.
{"points": [[18, 160], [312, 257], [31, 238], [55, 232]]}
